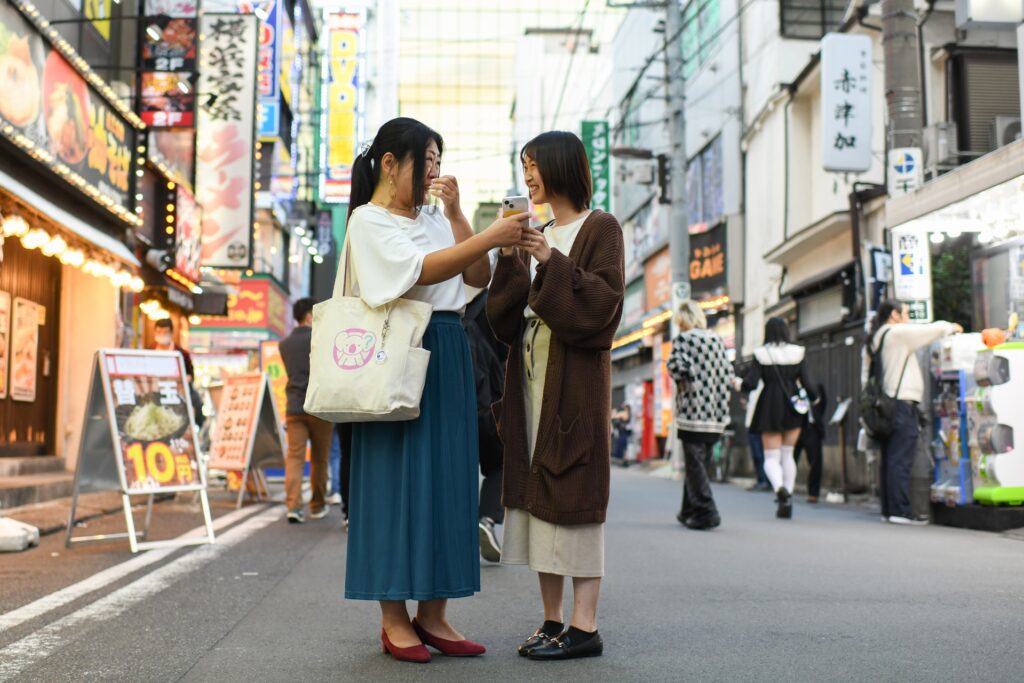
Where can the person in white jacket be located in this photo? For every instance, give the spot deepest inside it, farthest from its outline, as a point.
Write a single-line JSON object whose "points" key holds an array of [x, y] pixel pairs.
{"points": [[901, 378]]}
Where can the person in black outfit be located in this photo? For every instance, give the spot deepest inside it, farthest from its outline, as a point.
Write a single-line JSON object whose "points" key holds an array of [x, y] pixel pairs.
{"points": [[811, 442], [488, 356]]}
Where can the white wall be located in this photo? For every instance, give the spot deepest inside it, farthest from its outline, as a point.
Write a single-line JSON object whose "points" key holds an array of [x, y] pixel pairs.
{"points": [[88, 321]]}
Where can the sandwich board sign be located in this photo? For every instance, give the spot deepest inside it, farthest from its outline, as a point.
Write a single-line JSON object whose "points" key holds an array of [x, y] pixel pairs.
{"points": [[248, 434], [139, 438]]}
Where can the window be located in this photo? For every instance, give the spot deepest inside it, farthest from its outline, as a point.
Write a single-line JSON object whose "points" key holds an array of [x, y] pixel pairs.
{"points": [[811, 19], [704, 194], [700, 33]]}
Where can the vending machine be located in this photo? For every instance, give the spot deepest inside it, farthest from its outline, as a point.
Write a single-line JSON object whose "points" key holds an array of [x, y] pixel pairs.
{"points": [[953, 458], [999, 405]]}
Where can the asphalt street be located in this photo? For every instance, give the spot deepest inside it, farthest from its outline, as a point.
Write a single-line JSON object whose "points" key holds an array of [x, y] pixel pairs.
{"points": [[833, 594]]}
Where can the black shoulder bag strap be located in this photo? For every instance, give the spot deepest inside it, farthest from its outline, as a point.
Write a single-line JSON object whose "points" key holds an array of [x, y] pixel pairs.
{"points": [[880, 376]]}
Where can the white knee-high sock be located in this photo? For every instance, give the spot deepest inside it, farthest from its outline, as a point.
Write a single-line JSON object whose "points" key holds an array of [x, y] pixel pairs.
{"points": [[788, 468], [773, 467]]}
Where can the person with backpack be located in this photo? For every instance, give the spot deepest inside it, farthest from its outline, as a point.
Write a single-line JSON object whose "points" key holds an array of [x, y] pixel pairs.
{"points": [[891, 410]]}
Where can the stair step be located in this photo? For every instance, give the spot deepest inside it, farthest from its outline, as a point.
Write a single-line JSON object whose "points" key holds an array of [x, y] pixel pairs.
{"points": [[34, 488], [36, 464]]}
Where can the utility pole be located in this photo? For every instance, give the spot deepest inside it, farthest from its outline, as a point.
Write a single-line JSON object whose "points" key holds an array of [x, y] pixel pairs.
{"points": [[679, 233], [902, 80]]}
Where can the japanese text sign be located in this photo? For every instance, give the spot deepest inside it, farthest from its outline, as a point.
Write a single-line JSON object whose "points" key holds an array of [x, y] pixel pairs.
{"points": [[595, 141], [846, 102], [912, 275], [707, 261], [225, 135], [341, 99], [152, 419]]}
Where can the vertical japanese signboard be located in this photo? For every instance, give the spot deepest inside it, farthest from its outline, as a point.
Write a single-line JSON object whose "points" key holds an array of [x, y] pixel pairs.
{"points": [[846, 102], [188, 248], [5, 335], [269, 81], [139, 436], [595, 141], [341, 101], [225, 138], [912, 275], [25, 349], [169, 63]]}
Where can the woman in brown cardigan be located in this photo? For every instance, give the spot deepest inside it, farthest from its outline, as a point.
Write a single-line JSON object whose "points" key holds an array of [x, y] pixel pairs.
{"points": [[556, 301]]}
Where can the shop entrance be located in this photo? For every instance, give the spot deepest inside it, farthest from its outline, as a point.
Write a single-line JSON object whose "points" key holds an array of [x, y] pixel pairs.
{"points": [[29, 288]]}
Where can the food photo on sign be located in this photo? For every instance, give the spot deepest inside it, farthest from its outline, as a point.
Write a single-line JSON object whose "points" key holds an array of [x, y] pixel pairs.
{"points": [[169, 43], [167, 99], [58, 111], [155, 430]]}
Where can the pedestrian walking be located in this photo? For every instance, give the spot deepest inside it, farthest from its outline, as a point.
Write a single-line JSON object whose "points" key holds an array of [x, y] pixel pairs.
{"points": [[896, 344], [413, 532], [489, 372], [780, 408], [812, 443], [748, 402], [557, 303], [302, 429], [622, 431], [704, 378]]}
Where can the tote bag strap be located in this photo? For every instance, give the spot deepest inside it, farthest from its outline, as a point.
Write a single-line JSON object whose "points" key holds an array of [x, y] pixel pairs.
{"points": [[345, 278]]}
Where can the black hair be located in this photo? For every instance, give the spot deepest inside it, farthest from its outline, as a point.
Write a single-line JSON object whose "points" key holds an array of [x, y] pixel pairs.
{"points": [[302, 308], [404, 138], [882, 315], [164, 323], [776, 331], [562, 162]]}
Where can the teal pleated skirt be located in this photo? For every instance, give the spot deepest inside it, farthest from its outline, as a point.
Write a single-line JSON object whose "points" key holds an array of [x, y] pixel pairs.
{"points": [[413, 498]]}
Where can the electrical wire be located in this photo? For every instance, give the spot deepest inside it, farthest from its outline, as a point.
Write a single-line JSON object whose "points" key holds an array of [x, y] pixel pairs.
{"points": [[572, 58]]}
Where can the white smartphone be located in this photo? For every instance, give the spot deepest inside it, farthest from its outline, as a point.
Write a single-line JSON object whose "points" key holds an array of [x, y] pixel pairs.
{"points": [[510, 206]]}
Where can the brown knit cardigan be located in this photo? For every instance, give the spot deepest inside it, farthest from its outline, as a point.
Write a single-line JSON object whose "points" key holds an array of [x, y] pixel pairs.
{"points": [[579, 297]]}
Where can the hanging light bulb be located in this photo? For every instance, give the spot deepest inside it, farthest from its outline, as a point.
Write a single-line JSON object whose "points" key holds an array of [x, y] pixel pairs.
{"points": [[137, 285], [34, 239], [15, 226], [937, 238], [55, 247]]}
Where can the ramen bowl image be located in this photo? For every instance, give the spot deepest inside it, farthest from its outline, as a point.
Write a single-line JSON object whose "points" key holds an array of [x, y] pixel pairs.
{"points": [[150, 421]]}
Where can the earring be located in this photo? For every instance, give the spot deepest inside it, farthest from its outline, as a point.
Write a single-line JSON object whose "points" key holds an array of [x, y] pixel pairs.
{"points": [[391, 188]]}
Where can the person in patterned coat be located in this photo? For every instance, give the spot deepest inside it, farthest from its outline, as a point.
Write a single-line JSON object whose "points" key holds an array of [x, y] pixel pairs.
{"points": [[704, 377]]}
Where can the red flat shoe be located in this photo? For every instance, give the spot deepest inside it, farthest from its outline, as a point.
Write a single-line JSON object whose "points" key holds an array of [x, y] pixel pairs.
{"points": [[449, 648], [417, 653]]}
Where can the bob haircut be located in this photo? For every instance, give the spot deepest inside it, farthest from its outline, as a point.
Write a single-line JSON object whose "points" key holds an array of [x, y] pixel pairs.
{"points": [[563, 166], [776, 331], [691, 314]]}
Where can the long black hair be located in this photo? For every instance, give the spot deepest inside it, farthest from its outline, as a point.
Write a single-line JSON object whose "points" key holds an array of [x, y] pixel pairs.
{"points": [[882, 315], [776, 331], [406, 139]]}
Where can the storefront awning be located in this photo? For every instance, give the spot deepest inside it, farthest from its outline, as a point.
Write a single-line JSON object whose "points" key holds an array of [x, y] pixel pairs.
{"points": [[69, 221]]}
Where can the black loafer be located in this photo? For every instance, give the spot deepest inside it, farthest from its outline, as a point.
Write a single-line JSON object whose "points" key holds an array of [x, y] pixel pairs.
{"points": [[539, 638], [703, 523], [572, 644]]}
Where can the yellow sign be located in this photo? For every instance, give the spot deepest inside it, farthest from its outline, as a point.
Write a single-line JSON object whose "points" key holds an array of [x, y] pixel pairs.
{"points": [[342, 94], [98, 11]]}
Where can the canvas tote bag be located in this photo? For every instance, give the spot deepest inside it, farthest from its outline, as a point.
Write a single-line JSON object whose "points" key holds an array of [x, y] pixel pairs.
{"points": [[366, 364]]}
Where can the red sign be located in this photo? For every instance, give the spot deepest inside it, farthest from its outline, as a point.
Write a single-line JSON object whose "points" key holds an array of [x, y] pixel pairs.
{"points": [[189, 245], [257, 304]]}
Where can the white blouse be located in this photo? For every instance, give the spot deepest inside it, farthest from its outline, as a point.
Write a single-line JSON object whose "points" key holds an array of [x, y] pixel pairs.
{"points": [[560, 237], [387, 253]]}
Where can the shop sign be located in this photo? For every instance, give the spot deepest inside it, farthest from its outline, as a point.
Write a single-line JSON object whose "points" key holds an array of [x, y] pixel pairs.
{"points": [[846, 102], [595, 141], [658, 278], [167, 99], [257, 304], [226, 138], [188, 248], [268, 59], [25, 349], [152, 416], [707, 262], [272, 365], [663, 396], [51, 110], [175, 149], [168, 38], [912, 277], [905, 170], [1017, 274], [286, 58], [341, 100], [98, 12]]}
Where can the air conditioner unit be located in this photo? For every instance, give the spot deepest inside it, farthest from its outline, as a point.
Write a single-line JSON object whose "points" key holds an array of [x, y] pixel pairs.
{"points": [[940, 145], [1005, 129]]}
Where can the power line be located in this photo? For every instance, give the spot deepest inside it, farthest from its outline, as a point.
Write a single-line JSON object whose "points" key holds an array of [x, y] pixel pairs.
{"points": [[572, 58]]}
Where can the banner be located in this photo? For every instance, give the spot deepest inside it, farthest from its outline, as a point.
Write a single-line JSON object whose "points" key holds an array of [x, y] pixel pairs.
{"points": [[168, 39], [846, 102], [595, 141], [226, 138], [48, 109], [167, 99], [175, 149], [341, 100], [25, 349], [912, 274], [188, 247]]}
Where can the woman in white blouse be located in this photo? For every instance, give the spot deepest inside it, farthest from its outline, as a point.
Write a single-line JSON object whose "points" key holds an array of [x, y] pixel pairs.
{"points": [[413, 508]]}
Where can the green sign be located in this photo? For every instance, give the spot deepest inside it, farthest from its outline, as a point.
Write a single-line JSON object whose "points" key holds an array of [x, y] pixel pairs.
{"points": [[595, 141]]}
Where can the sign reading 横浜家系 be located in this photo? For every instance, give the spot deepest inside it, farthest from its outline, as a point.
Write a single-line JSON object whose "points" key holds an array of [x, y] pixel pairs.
{"points": [[595, 141], [225, 137], [846, 102]]}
